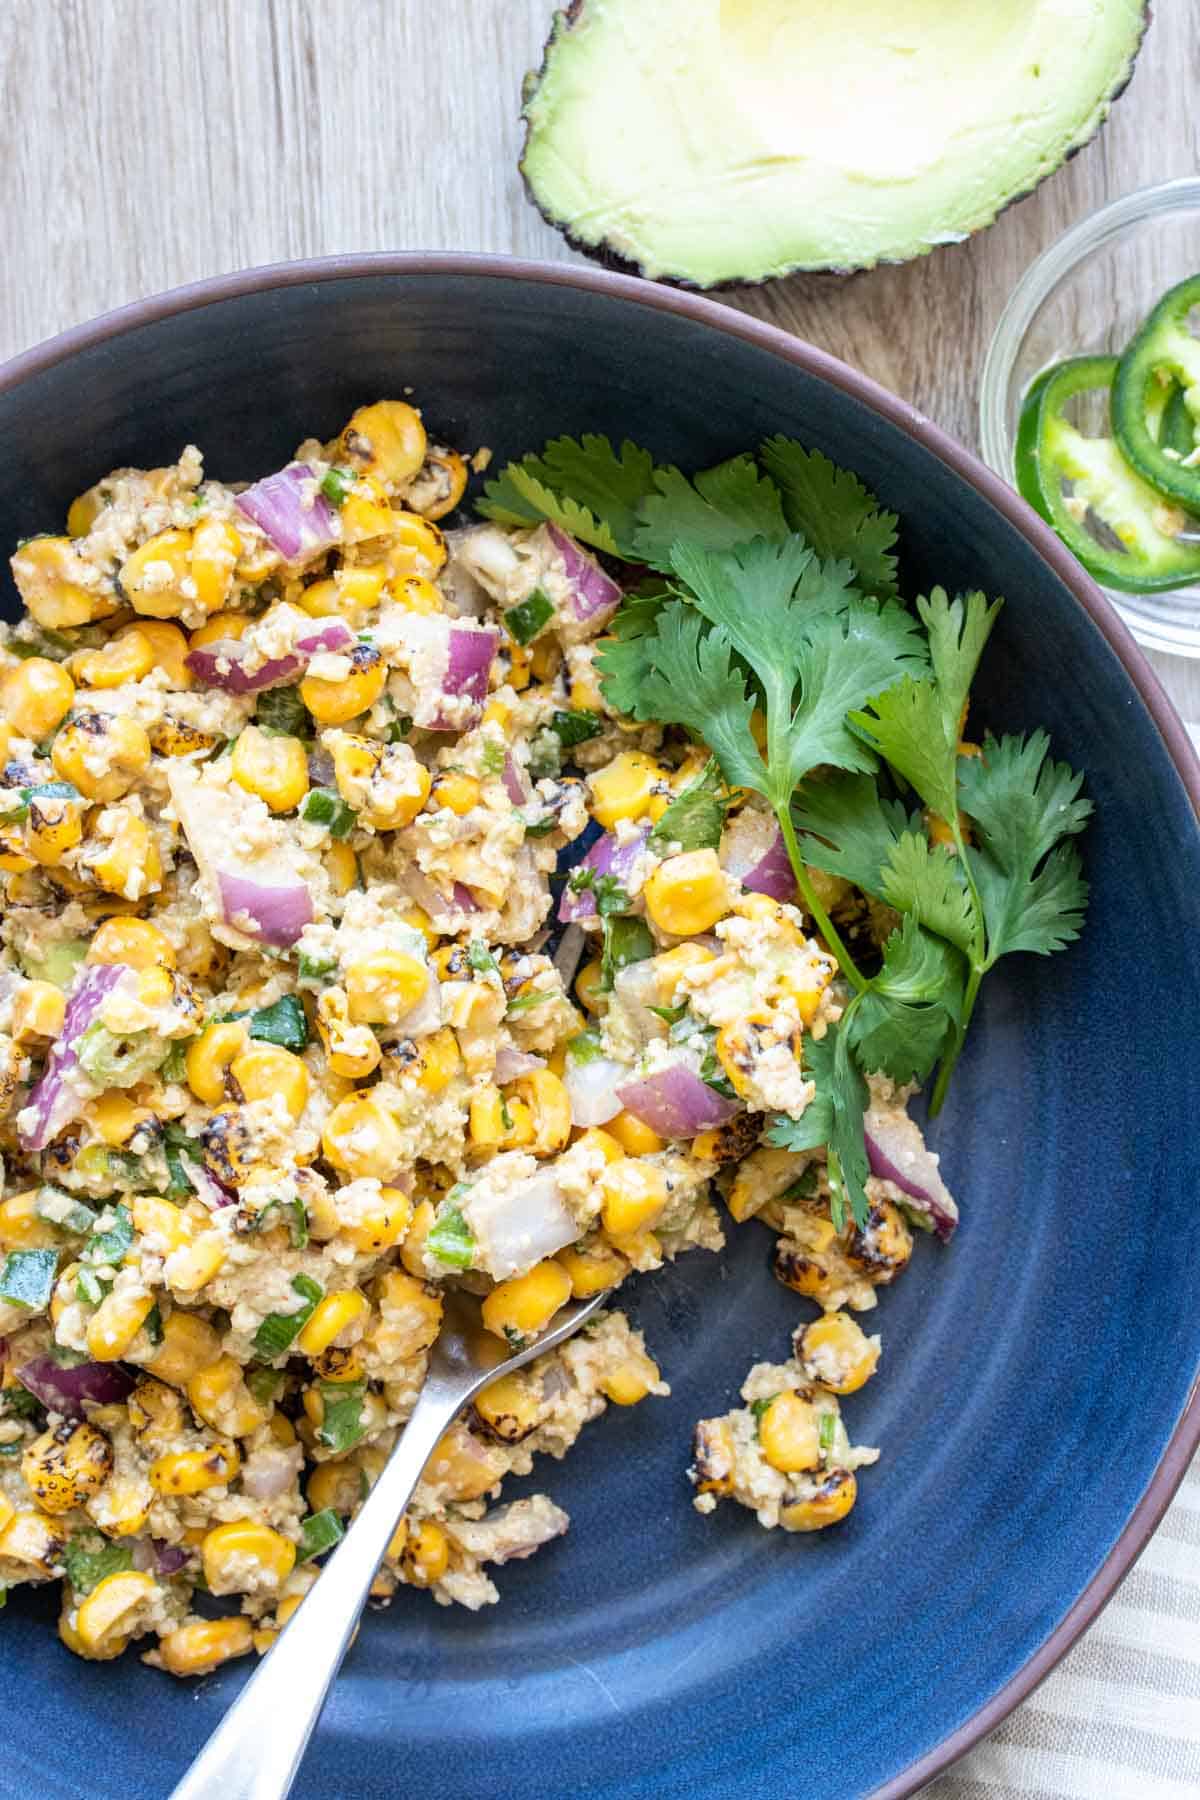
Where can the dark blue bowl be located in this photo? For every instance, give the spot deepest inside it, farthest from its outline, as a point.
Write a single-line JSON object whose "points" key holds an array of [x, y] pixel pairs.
{"points": [[1033, 1404]]}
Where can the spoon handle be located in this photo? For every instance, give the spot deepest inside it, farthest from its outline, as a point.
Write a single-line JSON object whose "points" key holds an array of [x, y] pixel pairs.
{"points": [[256, 1750]]}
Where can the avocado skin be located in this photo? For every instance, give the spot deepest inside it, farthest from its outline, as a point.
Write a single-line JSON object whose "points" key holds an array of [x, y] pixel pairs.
{"points": [[608, 258]]}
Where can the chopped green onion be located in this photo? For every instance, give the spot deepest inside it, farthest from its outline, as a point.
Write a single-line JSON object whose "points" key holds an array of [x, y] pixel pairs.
{"points": [[337, 485], [325, 806], [450, 1238], [523, 1002], [494, 757], [174, 1066], [264, 1383], [575, 726], [284, 1023], [523, 622], [89, 1288], [759, 1407], [481, 958], [120, 1060], [28, 1278], [280, 712], [342, 1425], [585, 1047], [153, 1325], [279, 1331], [90, 1558], [298, 1223], [827, 1430], [107, 1248], [311, 971], [626, 940], [320, 1532]]}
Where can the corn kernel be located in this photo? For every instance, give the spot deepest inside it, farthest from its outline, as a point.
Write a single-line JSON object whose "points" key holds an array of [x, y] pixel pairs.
{"points": [[219, 1396], [510, 1407], [688, 893], [462, 1467], [100, 754], [36, 697], [439, 1060], [834, 1498], [635, 1137], [170, 648], [788, 1431], [263, 1070], [497, 1123], [412, 1254], [625, 787], [210, 1056], [59, 588], [592, 1268], [524, 1305], [333, 1315], [38, 1010], [124, 658], [385, 439], [201, 1647], [216, 546], [458, 793], [152, 577], [189, 1343], [193, 1266], [135, 942], [336, 1486], [184, 1472], [589, 989], [635, 1196], [448, 469], [835, 1353], [598, 1138], [378, 1227], [336, 702], [382, 988], [630, 1381], [106, 1619], [342, 864], [426, 1555], [116, 1323], [361, 1139], [229, 1548], [550, 1108], [63, 1469], [273, 768]]}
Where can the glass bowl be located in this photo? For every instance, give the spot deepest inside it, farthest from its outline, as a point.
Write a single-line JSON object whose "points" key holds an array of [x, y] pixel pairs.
{"points": [[1088, 293]]}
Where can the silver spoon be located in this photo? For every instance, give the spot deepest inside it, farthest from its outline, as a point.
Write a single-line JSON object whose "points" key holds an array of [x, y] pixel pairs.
{"points": [[255, 1752]]}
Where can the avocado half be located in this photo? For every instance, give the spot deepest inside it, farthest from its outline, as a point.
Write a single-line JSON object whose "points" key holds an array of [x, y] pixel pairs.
{"points": [[709, 142]]}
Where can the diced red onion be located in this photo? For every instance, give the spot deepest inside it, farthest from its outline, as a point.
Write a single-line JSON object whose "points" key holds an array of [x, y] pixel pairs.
{"points": [[64, 1390], [206, 1186], [277, 913], [221, 664], [292, 512], [152, 1557], [592, 1089], [469, 658], [676, 1103], [330, 638], [320, 768], [515, 784], [773, 874], [512, 1063], [896, 1152], [754, 853], [55, 1101], [593, 593], [463, 898], [606, 857]]}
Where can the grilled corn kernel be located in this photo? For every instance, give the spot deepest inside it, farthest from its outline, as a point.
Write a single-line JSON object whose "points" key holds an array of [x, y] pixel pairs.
{"points": [[361, 1139], [688, 893], [383, 987], [630, 1380], [155, 1413], [789, 1432], [439, 1060], [273, 768], [124, 658], [64, 1468], [426, 1554], [458, 793], [216, 546], [445, 474], [122, 857], [834, 1498], [59, 588], [333, 1315], [54, 826], [625, 787], [635, 1137], [13, 858], [524, 1306], [336, 702], [101, 754], [366, 514], [218, 1395], [418, 595], [412, 1254], [263, 1070], [170, 649], [510, 1407], [714, 1456], [592, 1268], [38, 1010], [108, 1617], [189, 1343], [210, 1056], [497, 1122], [463, 1467], [195, 1471], [135, 942], [835, 1353], [415, 547], [385, 439], [220, 629], [114, 1117], [635, 1195], [336, 1486], [342, 864], [378, 1227], [588, 987], [152, 578], [36, 697], [244, 1558], [202, 1646], [547, 1100], [116, 1323], [33, 1540]]}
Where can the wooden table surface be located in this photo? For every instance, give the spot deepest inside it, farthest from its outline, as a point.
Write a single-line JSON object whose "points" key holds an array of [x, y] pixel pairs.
{"points": [[152, 142]]}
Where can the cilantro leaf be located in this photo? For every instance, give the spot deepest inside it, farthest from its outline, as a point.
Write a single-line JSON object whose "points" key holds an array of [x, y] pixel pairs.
{"points": [[958, 631], [833, 1118], [717, 510], [517, 497], [696, 817], [918, 966], [582, 485], [748, 590], [845, 659], [834, 511], [905, 725], [926, 879], [901, 1026], [849, 828]]}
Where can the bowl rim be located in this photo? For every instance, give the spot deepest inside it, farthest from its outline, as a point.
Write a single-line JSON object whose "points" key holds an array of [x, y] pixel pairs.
{"points": [[696, 308]]}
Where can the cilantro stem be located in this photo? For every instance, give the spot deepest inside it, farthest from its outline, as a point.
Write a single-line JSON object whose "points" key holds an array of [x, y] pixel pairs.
{"points": [[980, 963], [824, 923]]}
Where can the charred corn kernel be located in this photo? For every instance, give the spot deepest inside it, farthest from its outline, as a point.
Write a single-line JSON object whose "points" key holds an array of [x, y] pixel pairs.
{"points": [[602, 1140], [464, 1467], [154, 987], [123, 858], [353, 1050], [172, 737], [210, 1056], [126, 657], [361, 1139], [64, 1468], [219, 629], [101, 754], [459, 793], [216, 546], [520, 669], [624, 788], [336, 702], [510, 1407], [525, 1305], [135, 942], [189, 1343], [38, 1009], [385, 439], [383, 987], [169, 647], [835, 1353], [588, 988], [53, 827], [219, 1396], [273, 768], [202, 1646], [496, 1122], [184, 1472], [397, 1542], [687, 893], [114, 1117], [378, 1227], [350, 592], [153, 578], [635, 1137], [789, 1432], [416, 594], [410, 1312], [592, 1268], [671, 964], [36, 697], [13, 859], [714, 1457], [116, 1323], [59, 588], [333, 1315], [336, 1486], [449, 474], [427, 1554], [263, 1070], [32, 1539], [412, 1254], [107, 1618], [340, 1363], [193, 1266], [415, 546], [550, 1109], [155, 1412], [241, 1557], [342, 865], [635, 1194], [366, 513], [439, 1060], [833, 1499], [630, 1380]]}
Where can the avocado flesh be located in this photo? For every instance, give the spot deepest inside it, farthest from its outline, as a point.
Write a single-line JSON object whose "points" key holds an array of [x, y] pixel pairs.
{"points": [[712, 141]]}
